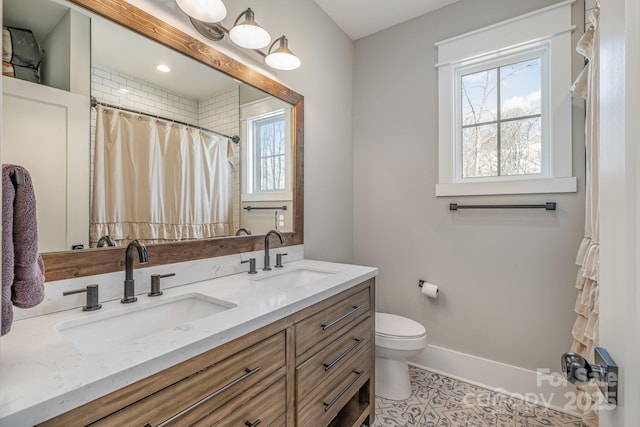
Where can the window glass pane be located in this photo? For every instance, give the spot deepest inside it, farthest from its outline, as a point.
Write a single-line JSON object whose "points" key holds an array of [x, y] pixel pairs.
{"points": [[479, 97], [272, 173], [520, 147], [520, 89], [479, 151], [270, 154], [270, 137]]}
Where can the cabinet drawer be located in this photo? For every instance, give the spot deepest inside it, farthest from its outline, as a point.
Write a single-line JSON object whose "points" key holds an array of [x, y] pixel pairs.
{"points": [[331, 358], [331, 321], [204, 391], [320, 408], [265, 409]]}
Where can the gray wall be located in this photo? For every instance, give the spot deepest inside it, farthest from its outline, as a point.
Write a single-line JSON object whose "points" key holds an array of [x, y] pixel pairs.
{"points": [[325, 80], [506, 277]]}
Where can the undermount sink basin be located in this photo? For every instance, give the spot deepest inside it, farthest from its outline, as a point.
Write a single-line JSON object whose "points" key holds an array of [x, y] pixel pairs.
{"points": [[295, 278], [100, 331]]}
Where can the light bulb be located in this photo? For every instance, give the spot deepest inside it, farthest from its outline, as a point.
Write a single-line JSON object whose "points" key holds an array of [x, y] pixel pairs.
{"points": [[249, 34], [282, 58], [204, 10]]}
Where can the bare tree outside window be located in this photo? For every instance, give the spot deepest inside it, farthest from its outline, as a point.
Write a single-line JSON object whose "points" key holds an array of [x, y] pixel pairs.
{"points": [[501, 120], [269, 149]]}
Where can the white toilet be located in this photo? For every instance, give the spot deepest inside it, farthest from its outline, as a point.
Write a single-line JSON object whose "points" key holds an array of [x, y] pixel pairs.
{"points": [[397, 339]]}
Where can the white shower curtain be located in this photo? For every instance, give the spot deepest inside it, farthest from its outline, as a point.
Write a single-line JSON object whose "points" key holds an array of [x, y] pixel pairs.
{"points": [[585, 329], [158, 181]]}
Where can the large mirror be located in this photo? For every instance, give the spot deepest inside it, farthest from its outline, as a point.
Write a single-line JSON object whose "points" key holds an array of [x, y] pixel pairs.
{"points": [[206, 93]]}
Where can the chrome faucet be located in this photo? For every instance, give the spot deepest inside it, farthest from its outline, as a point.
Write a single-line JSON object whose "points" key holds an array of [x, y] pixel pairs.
{"points": [[105, 240], [129, 288], [266, 246]]}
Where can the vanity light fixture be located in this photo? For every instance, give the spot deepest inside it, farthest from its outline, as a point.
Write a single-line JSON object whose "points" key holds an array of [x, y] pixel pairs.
{"points": [[163, 68], [281, 58], [248, 33], [204, 10]]}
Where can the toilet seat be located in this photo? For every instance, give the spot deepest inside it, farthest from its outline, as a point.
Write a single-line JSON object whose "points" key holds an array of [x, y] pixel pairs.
{"points": [[393, 326], [399, 333]]}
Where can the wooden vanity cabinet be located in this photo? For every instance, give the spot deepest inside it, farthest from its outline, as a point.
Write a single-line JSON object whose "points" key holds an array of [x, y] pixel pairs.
{"points": [[313, 368], [215, 382], [334, 360]]}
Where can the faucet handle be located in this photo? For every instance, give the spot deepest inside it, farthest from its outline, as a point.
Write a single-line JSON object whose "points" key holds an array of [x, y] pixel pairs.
{"points": [[252, 265], [155, 284], [279, 260], [92, 297]]}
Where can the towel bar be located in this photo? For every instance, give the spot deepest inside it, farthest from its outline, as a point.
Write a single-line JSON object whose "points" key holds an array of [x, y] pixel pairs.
{"points": [[255, 208], [549, 206]]}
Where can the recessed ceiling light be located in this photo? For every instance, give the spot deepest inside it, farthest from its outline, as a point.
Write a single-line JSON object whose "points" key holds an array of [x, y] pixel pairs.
{"points": [[163, 68]]}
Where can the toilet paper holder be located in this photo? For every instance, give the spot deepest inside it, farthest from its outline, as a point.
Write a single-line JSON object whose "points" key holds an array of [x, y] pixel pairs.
{"points": [[428, 289], [421, 283]]}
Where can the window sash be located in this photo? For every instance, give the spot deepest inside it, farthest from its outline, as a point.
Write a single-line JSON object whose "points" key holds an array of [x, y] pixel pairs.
{"points": [[256, 125], [495, 61]]}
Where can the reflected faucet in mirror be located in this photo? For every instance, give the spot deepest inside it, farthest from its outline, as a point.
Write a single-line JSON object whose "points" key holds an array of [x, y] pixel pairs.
{"points": [[105, 240], [129, 283], [270, 233], [243, 230]]}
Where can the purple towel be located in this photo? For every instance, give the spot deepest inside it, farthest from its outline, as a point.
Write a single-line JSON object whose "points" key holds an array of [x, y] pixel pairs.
{"points": [[22, 266]]}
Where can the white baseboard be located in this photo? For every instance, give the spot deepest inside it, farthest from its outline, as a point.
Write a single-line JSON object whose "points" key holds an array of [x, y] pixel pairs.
{"points": [[543, 388]]}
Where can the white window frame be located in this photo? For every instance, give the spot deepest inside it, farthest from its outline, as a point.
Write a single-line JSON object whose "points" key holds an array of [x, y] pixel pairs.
{"points": [[256, 110], [545, 32], [254, 170]]}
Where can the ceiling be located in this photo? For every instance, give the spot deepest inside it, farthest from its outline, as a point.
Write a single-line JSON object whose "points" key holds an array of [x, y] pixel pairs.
{"points": [[360, 18], [137, 56]]}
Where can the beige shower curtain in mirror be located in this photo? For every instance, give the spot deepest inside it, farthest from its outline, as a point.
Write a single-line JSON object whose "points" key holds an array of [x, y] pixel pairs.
{"points": [[158, 181], [586, 327]]}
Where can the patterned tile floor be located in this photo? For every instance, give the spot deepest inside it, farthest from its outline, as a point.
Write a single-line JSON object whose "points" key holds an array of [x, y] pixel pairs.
{"points": [[440, 401]]}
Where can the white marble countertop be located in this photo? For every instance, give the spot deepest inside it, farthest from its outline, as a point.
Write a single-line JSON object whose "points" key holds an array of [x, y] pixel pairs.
{"points": [[43, 374]]}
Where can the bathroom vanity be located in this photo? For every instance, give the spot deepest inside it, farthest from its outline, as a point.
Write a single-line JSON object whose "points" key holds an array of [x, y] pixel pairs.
{"points": [[290, 348]]}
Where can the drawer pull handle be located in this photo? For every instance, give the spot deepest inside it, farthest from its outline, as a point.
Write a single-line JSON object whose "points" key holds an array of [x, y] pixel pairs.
{"points": [[347, 314], [252, 424], [247, 374], [328, 366], [328, 406]]}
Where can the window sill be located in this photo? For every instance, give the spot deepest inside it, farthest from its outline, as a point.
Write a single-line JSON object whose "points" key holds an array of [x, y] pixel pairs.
{"points": [[531, 186], [283, 196]]}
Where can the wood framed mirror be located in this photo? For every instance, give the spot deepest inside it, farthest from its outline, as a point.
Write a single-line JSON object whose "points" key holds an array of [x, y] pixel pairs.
{"points": [[71, 264]]}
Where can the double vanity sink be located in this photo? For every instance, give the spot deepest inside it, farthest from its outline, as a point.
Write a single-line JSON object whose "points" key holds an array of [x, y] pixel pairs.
{"points": [[56, 362]]}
